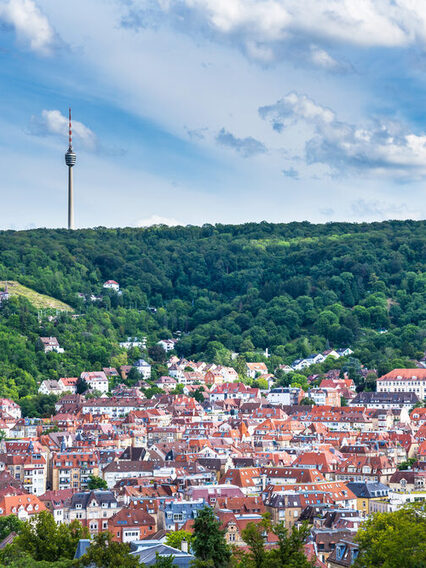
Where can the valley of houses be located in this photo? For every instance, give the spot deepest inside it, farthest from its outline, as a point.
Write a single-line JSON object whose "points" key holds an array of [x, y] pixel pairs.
{"points": [[238, 449]]}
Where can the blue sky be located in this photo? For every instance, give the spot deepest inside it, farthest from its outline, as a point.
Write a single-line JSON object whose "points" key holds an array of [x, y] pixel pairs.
{"points": [[203, 111]]}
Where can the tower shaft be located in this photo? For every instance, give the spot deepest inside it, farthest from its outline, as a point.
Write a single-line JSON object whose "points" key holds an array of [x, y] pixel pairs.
{"points": [[70, 199]]}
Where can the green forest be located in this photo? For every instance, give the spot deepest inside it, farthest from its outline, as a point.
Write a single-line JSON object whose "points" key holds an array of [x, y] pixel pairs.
{"points": [[294, 288]]}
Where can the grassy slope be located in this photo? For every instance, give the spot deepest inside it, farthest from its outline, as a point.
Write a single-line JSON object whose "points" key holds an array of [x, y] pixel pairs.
{"points": [[39, 301]]}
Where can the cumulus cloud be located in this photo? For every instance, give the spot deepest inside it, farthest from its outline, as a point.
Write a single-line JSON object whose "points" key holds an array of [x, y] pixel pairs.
{"points": [[377, 147], [262, 27], [247, 147], [158, 220], [30, 24], [53, 122]]}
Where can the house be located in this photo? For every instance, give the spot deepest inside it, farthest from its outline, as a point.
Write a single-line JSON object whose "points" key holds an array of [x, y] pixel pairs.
{"points": [[23, 506], [148, 551], [72, 469], [174, 514], [50, 387], [131, 524], [256, 369], [402, 401], [237, 391], [324, 397], [4, 294], [111, 285], [133, 342], [344, 352], [367, 491], [58, 503], [29, 467], [123, 469], [167, 344], [344, 554], [115, 407], [10, 408], [404, 380], [166, 383], [143, 368], [93, 509], [96, 380], [299, 364], [51, 344], [279, 395], [68, 384], [248, 479]]}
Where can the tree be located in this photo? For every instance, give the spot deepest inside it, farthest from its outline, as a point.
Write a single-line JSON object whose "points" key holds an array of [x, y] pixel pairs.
{"points": [[25, 561], [289, 552], [105, 553], [42, 539], [175, 538], [164, 561], [96, 482], [198, 395], [157, 354], [9, 524], [252, 535], [261, 383], [82, 386], [393, 540], [208, 542], [307, 401], [133, 377], [290, 548], [407, 464]]}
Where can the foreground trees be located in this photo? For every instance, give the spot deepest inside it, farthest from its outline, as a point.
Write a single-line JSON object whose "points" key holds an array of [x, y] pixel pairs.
{"points": [[40, 539], [394, 540], [289, 552], [208, 541]]}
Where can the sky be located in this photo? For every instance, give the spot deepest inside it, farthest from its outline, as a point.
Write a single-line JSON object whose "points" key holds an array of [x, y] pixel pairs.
{"points": [[206, 111]]}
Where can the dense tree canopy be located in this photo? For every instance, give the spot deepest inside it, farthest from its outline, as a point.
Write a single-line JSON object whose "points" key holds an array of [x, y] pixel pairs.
{"points": [[292, 288], [208, 542], [394, 540]]}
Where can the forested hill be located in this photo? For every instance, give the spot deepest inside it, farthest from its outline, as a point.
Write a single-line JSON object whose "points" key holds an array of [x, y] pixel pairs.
{"points": [[294, 288]]}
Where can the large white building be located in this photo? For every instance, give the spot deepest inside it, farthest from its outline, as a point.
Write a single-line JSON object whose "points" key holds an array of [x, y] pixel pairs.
{"points": [[97, 381], [404, 380]]}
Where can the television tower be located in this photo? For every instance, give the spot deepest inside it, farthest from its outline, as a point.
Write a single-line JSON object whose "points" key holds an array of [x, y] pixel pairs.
{"points": [[70, 159]]}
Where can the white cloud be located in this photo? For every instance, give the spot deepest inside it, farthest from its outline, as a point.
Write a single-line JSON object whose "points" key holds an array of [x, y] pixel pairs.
{"points": [[158, 220], [260, 27], [247, 147], [380, 147], [53, 122], [321, 58], [30, 24]]}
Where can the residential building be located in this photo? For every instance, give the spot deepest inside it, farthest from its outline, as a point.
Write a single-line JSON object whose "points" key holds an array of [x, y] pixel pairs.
{"points": [[404, 380], [96, 380], [51, 344], [111, 285], [93, 509], [143, 368]]}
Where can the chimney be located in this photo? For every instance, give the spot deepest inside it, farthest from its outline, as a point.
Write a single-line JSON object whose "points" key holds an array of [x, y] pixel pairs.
{"points": [[184, 546]]}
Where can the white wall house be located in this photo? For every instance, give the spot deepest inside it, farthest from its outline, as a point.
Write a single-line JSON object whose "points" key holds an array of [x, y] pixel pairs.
{"points": [[279, 395], [97, 380], [143, 368], [112, 285]]}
